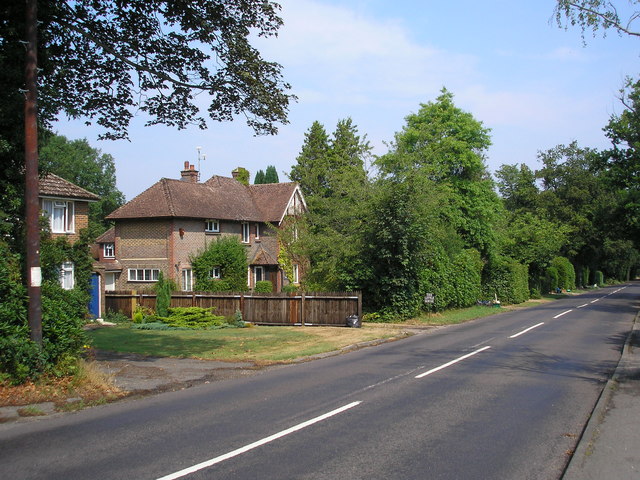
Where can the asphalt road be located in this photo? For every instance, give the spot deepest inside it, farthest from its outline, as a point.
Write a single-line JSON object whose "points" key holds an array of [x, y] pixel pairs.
{"points": [[499, 398]]}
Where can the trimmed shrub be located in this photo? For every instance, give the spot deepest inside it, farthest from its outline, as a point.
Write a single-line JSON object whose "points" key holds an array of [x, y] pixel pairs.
{"points": [[551, 279], [598, 278], [263, 286], [566, 273], [506, 279], [163, 296], [190, 318]]}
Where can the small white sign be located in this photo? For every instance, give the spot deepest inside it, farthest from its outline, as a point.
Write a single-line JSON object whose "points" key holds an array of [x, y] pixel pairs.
{"points": [[36, 277], [429, 298]]}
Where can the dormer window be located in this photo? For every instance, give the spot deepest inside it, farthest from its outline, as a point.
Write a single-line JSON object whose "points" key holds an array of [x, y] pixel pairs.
{"points": [[212, 226], [108, 250]]}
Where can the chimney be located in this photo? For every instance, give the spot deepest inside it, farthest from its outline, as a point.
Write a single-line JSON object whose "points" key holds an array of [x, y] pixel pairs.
{"points": [[189, 174], [235, 173]]}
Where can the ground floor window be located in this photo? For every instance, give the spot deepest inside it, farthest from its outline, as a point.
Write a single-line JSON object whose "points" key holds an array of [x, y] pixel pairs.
{"points": [[296, 274], [258, 274], [187, 280], [214, 272], [143, 274], [66, 275], [110, 279]]}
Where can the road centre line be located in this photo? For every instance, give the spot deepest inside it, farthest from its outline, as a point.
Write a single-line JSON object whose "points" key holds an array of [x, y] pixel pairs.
{"points": [[594, 301], [448, 364], [259, 443], [582, 306], [563, 313], [526, 330]]}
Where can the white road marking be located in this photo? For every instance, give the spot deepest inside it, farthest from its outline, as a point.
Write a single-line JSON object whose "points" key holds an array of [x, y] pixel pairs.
{"points": [[448, 364], [259, 443], [563, 313], [594, 301], [582, 306], [526, 330]]}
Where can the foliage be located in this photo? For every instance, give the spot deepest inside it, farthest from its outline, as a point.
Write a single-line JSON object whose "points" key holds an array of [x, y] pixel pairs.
{"points": [[595, 15], [551, 279], [566, 273], [105, 60], [79, 163], [242, 175], [189, 317], [506, 279], [259, 178], [228, 254], [447, 145], [263, 286], [598, 278], [163, 296], [291, 288], [271, 175], [116, 317], [517, 187], [310, 168]]}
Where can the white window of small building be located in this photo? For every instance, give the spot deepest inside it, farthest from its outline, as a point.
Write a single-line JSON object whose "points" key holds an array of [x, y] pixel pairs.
{"points": [[245, 232], [187, 280], [214, 272], [143, 274], [66, 276], [109, 250], [212, 226], [258, 274], [296, 278], [60, 215]]}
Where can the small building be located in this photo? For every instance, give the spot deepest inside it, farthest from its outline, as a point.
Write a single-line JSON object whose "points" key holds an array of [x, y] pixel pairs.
{"points": [[164, 226]]}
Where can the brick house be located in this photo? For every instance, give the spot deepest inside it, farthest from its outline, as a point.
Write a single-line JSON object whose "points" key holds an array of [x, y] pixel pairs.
{"points": [[160, 229], [66, 206]]}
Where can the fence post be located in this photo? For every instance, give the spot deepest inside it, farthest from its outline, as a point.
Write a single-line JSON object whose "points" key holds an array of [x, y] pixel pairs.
{"points": [[133, 302], [360, 305], [302, 306], [242, 306], [193, 299]]}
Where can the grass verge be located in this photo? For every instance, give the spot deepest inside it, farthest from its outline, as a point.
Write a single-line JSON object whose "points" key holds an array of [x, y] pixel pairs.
{"points": [[260, 345]]}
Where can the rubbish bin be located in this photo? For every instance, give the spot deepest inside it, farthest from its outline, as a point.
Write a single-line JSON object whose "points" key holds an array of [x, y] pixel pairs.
{"points": [[353, 321]]}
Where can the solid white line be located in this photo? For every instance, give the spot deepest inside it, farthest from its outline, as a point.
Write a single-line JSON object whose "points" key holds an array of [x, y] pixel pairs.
{"points": [[582, 306], [259, 443], [563, 313], [448, 364], [526, 330]]}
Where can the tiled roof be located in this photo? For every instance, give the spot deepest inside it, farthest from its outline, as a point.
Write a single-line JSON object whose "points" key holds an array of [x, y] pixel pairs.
{"points": [[220, 198], [107, 237], [263, 257], [55, 186]]}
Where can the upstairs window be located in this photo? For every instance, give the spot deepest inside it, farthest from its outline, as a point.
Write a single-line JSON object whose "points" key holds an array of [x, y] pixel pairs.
{"points": [[257, 231], [245, 232], [296, 276], [109, 250], [214, 273], [60, 215], [212, 226]]}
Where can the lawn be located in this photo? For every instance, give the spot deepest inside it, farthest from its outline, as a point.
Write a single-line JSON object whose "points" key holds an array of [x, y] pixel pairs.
{"points": [[261, 345]]}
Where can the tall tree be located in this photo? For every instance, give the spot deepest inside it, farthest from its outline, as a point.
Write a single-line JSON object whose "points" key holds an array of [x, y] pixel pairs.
{"points": [[87, 167], [517, 187], [259, 178], [271, 175], [311, 164], [449, 146]]}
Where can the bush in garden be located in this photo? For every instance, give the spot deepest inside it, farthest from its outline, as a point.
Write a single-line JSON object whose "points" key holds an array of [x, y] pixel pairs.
{"points": [[228, 255], [599, 278], [263, 286], [163, 296], [187, 318]]}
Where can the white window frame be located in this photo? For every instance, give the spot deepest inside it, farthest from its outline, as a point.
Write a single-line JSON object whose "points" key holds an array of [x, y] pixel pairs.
{"points": [[110, 280], [256, 269], [60, 214], [215, 273], [296, 274], [257, 231], [246, 232], [212, 226], [109, 250], [67, 275], [143, 274], [187, 280]]}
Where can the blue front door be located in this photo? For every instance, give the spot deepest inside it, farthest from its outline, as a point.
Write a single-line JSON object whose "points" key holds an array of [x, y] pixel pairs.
{"points": [[94, 303]]}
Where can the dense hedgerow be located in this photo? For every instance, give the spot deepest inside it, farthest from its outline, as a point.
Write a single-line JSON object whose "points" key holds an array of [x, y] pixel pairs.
{"points": [[506, 279]]}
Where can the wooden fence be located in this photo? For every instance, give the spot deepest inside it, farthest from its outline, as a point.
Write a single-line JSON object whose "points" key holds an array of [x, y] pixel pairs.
{"points": [[323, 308]]}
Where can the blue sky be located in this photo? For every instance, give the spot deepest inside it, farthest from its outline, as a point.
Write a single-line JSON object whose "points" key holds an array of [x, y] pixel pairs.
{"points": [[506, 62]]}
